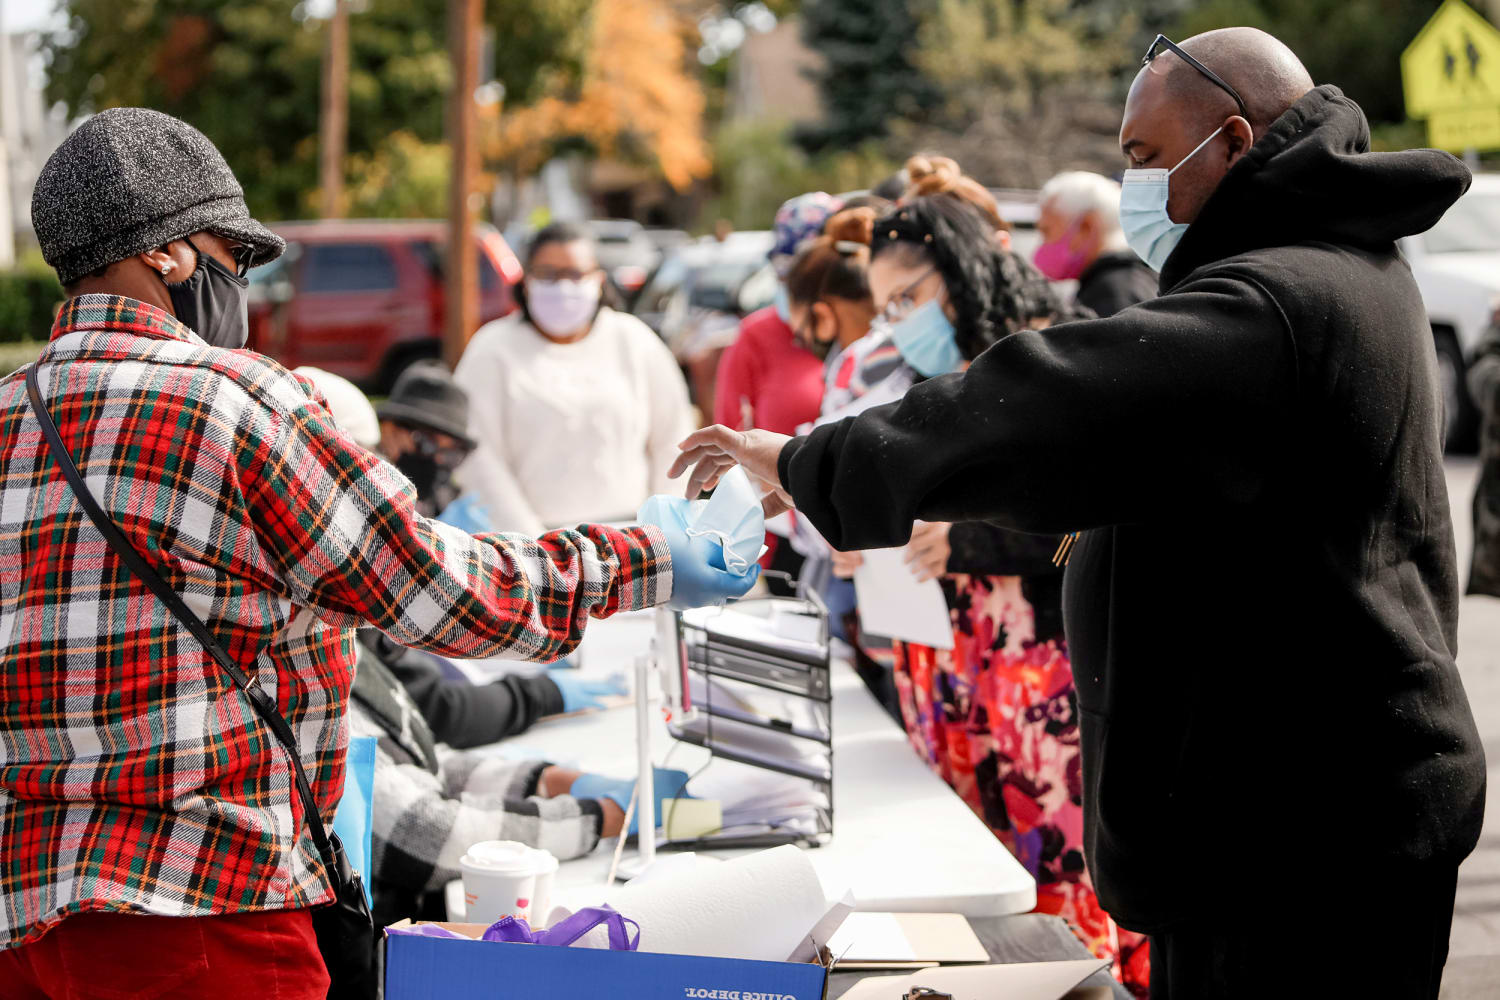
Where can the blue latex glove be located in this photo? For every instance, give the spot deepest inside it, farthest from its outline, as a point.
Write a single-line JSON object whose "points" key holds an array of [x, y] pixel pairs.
{"points": [[468, 513], [667, 784], [579, 693], [699, 578]]}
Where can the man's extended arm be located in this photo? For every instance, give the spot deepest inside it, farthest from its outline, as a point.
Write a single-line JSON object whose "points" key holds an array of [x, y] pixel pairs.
{"points": [[1161, 407]]}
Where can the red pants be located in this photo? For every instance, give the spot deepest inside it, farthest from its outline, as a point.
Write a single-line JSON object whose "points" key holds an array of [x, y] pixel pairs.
{"points": [[114, 956]]}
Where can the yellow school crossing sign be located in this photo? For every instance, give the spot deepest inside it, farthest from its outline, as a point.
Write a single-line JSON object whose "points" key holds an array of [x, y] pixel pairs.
{"points": [[1451, 74]]}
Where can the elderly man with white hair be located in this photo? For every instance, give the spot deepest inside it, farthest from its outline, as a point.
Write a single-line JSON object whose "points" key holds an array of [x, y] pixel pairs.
{"points": [[1080, 227]]}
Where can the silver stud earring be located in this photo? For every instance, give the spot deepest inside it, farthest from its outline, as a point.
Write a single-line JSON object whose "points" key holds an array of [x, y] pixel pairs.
{"points": [[165, 268]]}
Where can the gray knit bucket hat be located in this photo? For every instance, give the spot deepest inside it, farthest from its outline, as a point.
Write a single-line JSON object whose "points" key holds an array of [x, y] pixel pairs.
{"points": [[130, 180]]}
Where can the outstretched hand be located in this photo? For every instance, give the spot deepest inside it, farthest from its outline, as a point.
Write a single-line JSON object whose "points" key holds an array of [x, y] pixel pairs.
{"points": [[713, 451]]}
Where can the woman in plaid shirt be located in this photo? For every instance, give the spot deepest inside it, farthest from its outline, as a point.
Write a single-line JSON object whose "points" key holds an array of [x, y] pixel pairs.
{"points": [[136, 783]]}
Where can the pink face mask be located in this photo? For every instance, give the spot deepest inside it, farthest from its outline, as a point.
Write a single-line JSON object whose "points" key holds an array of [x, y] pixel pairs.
{"points": [[1057, 261]]}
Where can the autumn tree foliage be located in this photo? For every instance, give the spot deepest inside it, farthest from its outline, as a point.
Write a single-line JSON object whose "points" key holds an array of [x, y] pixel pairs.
{"points": [[634, 96]]}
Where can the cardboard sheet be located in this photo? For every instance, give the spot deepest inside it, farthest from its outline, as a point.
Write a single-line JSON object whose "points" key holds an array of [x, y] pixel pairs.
{"points": [[880, 939], [1020, 981]]}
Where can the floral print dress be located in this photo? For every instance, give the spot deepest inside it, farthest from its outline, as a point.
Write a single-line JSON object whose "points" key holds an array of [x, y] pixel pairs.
{"points": [[996, 716]]}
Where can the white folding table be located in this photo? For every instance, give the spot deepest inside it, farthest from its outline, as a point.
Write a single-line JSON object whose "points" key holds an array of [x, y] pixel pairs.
{"points": [[903, 840]]}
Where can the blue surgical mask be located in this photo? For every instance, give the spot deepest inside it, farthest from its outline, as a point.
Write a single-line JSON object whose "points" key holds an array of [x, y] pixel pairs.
{"points": [[925, 339], [783, 305], [1149, 230]]}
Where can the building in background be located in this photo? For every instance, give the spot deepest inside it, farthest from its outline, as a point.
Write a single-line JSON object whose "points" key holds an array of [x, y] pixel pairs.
{"points": [[772, 77], [30, 130]]}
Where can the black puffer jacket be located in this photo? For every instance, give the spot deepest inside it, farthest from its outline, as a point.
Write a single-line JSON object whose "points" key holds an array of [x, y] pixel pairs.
{"points": [[1262, 611]]}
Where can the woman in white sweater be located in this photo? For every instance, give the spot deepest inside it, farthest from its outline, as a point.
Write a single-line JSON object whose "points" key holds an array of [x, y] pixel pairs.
{"points": [[577, 408]]}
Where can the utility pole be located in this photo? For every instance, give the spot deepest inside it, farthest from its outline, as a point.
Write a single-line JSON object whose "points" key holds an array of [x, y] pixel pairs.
{"points": [[463, 266], [334, 121]]}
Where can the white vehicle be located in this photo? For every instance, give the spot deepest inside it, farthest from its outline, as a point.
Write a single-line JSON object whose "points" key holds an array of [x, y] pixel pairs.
{"points": [[1457, 267]]}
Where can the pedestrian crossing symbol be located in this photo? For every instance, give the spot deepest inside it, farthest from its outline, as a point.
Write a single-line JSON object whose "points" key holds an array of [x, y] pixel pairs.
{"points": [[1451, 75]]}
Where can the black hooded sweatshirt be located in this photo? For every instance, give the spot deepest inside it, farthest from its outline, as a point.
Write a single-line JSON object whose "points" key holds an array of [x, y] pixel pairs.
{"points": [[1262, 610]]}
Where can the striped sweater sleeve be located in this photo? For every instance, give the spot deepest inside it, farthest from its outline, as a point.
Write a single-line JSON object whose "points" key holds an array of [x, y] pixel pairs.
{"points": [[424, 822]]}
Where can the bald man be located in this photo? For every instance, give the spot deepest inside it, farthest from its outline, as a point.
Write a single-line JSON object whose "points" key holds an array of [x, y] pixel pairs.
{"points": [[1280, 767]]}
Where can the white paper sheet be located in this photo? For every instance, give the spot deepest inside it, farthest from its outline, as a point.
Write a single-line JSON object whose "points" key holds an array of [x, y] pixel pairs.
{"points": [[761, 907], [893, 603], [875, 936]]}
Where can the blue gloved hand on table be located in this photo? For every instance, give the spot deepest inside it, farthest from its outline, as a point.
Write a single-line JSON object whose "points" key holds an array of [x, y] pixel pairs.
{"points": [[699, 578], [668, 785], [468, 513], [579, 693]]}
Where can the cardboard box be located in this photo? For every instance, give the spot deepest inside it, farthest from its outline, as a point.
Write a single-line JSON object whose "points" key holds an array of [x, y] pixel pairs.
{"points": [[422, 968], [1019, 981]]}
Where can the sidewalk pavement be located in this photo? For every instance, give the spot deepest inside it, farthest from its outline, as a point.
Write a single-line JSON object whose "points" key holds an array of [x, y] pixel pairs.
{"points": [[1474, 957]]}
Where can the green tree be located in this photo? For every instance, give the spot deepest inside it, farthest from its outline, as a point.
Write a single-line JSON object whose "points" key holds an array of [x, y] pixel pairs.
{"points": [[759, 167], [248, 74], [537, 43], [1029, 87], [870, 75], [404, 178], [1355, 44]]}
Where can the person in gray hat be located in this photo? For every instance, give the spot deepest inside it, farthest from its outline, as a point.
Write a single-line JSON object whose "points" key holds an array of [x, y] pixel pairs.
{"points": [[154, 831], [143, 205], [424, 432]]}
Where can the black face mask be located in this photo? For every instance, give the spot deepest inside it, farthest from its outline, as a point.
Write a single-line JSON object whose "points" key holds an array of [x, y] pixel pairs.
{"points": [[430, 469], [819, 348], [211, 302]]}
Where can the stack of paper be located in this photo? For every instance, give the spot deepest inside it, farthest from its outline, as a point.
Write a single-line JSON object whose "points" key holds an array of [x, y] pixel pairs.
{"points": [[779, 631], [754, 798], [728, 698]]}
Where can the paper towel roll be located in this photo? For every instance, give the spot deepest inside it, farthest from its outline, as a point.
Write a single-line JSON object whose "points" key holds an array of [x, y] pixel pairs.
{"points": [[759, 906]]}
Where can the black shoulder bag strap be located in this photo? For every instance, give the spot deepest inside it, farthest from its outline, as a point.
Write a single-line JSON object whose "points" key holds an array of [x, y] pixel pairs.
{"points": [[342, 927]]}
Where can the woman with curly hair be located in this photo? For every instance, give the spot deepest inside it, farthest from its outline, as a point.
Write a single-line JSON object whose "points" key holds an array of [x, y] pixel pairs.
{"points": [[996, 715], [930, 175]]}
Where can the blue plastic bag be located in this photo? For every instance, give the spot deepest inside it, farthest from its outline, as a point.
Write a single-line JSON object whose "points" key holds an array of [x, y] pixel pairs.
{"points": [[353, 820]]}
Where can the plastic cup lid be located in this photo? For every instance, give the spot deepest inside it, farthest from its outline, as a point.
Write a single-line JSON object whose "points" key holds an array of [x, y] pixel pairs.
{"points": [[500, 856]]}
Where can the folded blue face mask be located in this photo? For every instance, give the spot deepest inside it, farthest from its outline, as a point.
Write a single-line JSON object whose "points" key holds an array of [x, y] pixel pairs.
{"points": [[733, 518], [925, 338], [1148, 228]]}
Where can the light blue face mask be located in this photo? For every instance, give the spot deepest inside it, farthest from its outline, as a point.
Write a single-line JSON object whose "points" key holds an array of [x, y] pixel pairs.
{"points": [[1148, 228], [925, 339], [783, 305]]}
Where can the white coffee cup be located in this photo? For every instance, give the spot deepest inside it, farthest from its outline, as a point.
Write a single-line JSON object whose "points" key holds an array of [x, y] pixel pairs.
{"points": [[541, 896], [499, 881]]}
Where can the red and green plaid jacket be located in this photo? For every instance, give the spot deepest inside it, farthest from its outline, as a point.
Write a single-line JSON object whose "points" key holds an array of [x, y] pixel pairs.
{"points": [[134, 775]]}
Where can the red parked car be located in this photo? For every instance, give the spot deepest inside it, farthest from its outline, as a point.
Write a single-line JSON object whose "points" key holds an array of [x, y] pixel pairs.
{"points": [[365, 298]]}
